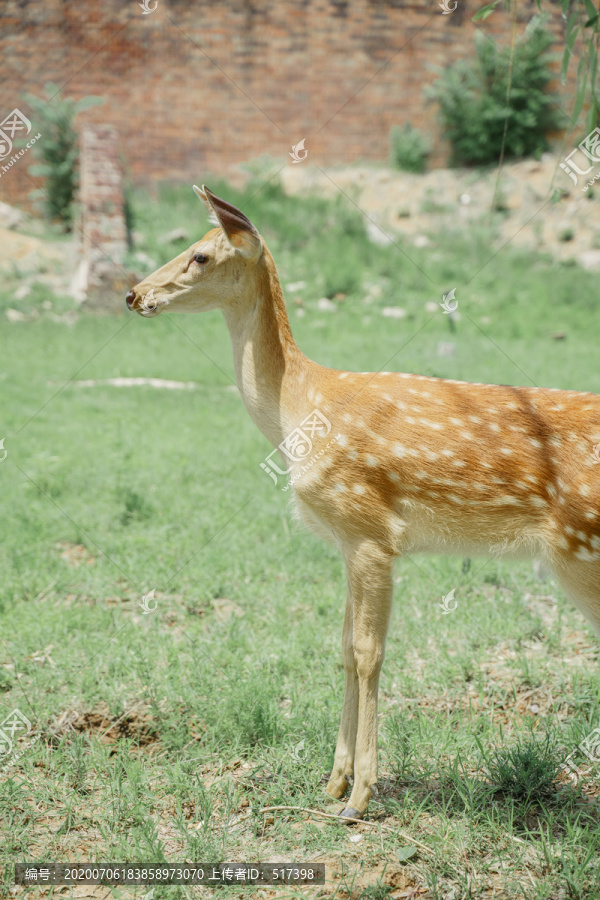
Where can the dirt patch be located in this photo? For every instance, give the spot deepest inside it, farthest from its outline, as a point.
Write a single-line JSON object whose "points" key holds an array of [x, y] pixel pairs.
{"points": [[351, 878], [75, 554], [137, 723], [410, 207]]}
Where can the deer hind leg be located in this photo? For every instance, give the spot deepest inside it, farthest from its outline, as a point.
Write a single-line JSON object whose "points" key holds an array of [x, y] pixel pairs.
{"points": [[580, 580], [343, 765], [370, 588]]}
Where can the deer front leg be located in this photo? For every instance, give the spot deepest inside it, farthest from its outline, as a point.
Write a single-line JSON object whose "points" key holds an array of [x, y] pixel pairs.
{"points": [[370, 578], [343, 765]]}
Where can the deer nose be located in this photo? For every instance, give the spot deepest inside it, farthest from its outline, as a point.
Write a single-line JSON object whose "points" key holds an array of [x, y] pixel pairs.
{"points": [[130, 298]]}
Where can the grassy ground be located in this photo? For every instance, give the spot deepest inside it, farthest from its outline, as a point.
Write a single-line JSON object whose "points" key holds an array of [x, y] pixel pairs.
{"points": [[170, 735]]}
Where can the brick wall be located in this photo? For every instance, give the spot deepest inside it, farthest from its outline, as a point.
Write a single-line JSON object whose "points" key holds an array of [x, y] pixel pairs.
{"points": [[194, 87], [104, 235]]}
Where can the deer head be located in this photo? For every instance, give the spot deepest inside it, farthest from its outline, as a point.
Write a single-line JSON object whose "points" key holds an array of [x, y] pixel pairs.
{"points": [[211, 274]]}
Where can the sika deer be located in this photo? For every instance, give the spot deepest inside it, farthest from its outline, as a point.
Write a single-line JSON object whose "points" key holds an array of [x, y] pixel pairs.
{"points": [[418, 465]]}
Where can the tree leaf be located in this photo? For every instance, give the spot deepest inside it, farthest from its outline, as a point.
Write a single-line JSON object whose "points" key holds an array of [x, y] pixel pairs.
{"points": [[572, 30], [580, 97], [88, 102], [592, 116], [405, 853], [593, 57], [484, 12]]}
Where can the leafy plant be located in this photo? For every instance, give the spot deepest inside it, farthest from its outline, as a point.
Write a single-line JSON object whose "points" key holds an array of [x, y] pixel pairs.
{"points": [[58, 149], [499, 102], [583, 22], [526, 770], [409, 148]]}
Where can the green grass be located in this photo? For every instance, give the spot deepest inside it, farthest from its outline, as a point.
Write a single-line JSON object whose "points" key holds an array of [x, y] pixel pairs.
{"points": [[163, 736]]}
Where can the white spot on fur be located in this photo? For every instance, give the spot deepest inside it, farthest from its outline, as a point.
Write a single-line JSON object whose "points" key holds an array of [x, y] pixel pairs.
{"points": [[537, 501], [586, 555]]}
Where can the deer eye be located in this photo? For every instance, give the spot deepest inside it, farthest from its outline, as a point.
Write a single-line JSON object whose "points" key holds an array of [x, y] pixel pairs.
{"points": [[200, 258]]}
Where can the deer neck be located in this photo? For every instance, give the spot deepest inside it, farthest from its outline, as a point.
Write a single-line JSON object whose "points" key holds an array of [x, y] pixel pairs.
{"points": [[271, 372]]}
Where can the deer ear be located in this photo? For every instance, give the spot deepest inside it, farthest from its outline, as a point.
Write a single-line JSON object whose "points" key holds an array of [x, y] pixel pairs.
{"points": [[238, 229]]}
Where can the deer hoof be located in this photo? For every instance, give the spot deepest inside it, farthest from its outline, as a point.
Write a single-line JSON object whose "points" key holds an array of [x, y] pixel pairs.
{"points": [[348, 814]]}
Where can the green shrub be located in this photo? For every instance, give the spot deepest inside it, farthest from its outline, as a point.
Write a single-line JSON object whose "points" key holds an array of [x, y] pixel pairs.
{"points": [[527, 770], [472, 95], [58, 149], [409, 148]]}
